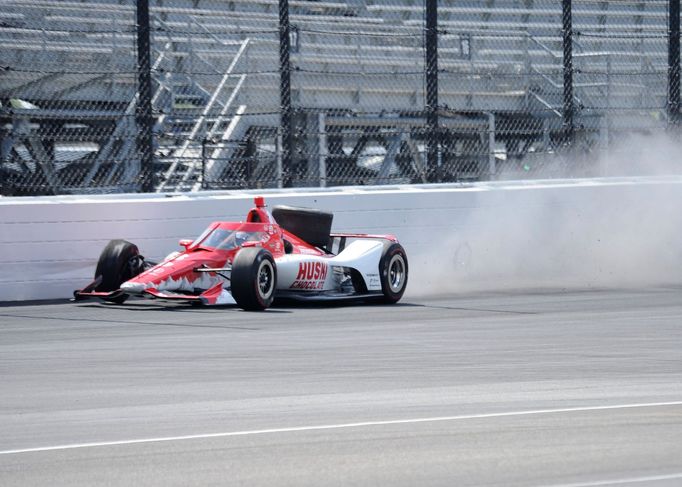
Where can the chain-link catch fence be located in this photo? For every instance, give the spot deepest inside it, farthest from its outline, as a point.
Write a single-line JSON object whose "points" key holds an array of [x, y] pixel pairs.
{"points": [[183, 95]]}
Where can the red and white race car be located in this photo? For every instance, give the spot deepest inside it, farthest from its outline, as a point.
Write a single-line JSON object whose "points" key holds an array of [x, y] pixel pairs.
{"points": [[289, 253]]}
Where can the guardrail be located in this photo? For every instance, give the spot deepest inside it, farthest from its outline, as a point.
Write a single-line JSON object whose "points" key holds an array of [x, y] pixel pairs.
{"points": [[555, 233]]}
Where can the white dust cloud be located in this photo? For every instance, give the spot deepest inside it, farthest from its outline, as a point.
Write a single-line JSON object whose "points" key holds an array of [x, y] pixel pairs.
{"points": [[622, 232]]}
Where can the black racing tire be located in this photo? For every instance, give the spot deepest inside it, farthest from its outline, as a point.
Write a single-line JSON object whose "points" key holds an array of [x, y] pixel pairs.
{"points": [[254, 279], [119, 261], [393, 272]]}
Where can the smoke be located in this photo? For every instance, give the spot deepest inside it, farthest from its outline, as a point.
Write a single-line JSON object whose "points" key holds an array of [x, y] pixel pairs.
{"points": [[610, 232], [642, 155]]}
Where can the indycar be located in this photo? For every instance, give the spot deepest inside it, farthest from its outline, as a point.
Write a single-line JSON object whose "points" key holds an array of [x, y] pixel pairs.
{"points": [[289, 253]]}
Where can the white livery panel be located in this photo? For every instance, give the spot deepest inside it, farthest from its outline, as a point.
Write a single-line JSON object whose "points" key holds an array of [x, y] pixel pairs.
{"points": [[305, 273], [364, 256], [300, 272]]}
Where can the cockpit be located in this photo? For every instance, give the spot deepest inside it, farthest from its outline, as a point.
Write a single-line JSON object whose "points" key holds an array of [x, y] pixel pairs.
{"points": [[222, 238]]}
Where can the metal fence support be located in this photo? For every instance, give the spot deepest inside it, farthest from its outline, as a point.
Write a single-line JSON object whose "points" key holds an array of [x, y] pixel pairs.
{"points": [[322, 148], [492, 163], [204, 156], [568, 70], [674, 61], [285, 92], [143, 109], [604, 145], [278, 161], [431, 47]]}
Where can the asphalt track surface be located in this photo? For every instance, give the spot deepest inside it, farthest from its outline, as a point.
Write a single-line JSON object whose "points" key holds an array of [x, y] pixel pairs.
{"points": [[544, 388]]}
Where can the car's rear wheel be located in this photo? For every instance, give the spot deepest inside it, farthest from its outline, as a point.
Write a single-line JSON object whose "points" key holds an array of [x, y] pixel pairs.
{"points": [[393, 272], [119, 261], [254, 278]]}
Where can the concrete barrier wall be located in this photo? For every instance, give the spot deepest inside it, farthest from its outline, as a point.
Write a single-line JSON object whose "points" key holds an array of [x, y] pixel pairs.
{"points": [[454, 234]]}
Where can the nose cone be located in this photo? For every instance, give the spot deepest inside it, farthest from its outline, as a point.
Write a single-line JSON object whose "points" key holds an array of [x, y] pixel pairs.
{"points": [[133, 287]]}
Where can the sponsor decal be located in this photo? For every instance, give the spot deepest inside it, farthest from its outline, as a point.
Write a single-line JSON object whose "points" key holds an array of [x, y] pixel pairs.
{"points": [[311, 275], [374, 280]]}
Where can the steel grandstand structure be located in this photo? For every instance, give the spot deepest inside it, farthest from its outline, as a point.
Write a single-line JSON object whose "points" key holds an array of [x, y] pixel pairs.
{"points": [[183, 95]]}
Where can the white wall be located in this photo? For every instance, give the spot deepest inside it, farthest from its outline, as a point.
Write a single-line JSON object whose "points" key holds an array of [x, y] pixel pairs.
{"points": [[458, 237]]}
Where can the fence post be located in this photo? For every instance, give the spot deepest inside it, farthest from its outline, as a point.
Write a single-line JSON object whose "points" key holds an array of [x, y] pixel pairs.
{"points": [[433, 133], [568, 70], [492, 162], [322, 148], [143, 108], [285, 92], [673, 61], [204, 156]]}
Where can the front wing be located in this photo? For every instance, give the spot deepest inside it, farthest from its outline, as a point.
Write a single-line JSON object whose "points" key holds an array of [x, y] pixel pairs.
{"points": [[216, 295]]}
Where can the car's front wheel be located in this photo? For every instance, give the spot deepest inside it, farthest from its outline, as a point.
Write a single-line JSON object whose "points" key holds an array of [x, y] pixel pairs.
{"points": [[119, 261], [254, 278]]}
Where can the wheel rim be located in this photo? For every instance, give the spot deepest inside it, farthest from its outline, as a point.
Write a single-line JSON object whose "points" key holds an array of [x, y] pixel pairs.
{"points": [[396, 273], [266, 281]]}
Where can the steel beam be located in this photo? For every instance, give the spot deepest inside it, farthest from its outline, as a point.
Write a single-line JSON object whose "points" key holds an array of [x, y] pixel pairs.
{"points": [[143, 112]]}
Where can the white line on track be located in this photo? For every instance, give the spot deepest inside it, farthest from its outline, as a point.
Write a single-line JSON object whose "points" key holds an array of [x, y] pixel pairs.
{"points": [[337, 426], [631, 480]]}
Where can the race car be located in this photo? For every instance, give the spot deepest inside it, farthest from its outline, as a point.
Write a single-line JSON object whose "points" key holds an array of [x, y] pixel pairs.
{"points": [[289, 253]]}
